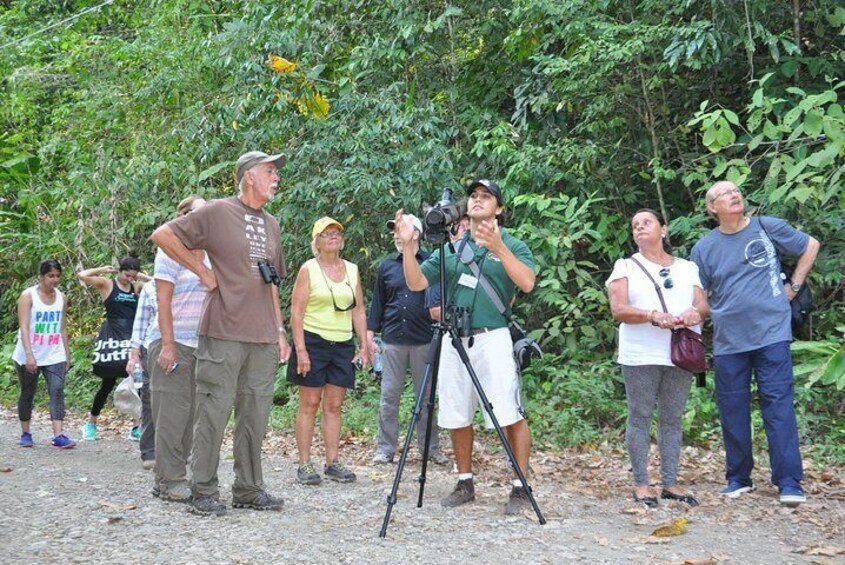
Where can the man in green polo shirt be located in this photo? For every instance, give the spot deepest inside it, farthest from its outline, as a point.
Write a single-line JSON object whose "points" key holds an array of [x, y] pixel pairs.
{"points": [[507, 264]]}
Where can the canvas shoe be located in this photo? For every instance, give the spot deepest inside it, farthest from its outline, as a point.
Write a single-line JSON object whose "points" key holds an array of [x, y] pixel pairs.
{"points": [[135, 433], [26, 439], [735, 489], [61, 441], [792, 496], [89, 431], [148, 464]]}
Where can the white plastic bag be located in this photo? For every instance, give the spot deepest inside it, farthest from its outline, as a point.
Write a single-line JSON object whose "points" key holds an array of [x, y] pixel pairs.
{"points": [[126, 398]]}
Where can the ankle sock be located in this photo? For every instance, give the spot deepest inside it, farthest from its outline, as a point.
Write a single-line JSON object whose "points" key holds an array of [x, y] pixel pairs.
{"points": [[464, 476]]}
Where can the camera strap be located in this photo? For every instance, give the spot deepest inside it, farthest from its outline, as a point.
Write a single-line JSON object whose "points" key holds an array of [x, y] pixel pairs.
{"points": [[467, 256]]}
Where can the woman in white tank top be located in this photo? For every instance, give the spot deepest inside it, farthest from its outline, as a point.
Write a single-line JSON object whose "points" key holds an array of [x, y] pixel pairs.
{"points": [[42, 347]]}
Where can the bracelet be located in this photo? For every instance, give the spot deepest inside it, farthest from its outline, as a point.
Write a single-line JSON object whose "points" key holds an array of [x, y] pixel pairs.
{"points": [[694, 307], [650, 316], [282, 331]]}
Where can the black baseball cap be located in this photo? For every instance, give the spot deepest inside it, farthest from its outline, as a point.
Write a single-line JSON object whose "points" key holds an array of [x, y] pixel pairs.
{"points": [[490, 187]]}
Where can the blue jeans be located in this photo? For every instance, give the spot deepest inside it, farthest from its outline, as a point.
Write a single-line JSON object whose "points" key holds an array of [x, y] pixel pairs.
{"points": [[772, 366]]}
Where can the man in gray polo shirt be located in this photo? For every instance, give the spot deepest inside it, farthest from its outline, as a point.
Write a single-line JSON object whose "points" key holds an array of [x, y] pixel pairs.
{"points": [[739, 265], [242, 335]]}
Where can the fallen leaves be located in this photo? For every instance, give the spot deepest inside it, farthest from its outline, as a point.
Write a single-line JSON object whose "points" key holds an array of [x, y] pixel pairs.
{"points": [[676, 528], [828, 551], [113, 506], [5, 469]]}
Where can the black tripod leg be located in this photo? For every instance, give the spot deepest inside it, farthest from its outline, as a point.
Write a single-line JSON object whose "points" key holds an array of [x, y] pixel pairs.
{"points": [[434, 364], [462, 352], [436, 341]]}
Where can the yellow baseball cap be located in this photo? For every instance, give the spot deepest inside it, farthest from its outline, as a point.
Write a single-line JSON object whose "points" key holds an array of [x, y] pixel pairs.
{"points": [[322, 224]]}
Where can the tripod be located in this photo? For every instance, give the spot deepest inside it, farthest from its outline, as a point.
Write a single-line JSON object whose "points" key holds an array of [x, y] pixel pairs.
{"points": [[440, 329]]}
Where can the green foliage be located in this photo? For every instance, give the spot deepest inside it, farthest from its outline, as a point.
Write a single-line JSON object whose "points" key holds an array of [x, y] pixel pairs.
{"points": [[584, 111]]}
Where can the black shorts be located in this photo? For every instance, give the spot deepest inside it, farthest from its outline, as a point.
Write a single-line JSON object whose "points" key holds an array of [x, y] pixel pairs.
{"points": [[331, 363]]}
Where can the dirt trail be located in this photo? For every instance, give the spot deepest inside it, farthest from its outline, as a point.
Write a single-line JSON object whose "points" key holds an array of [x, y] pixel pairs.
{"points": [[93, 504]]}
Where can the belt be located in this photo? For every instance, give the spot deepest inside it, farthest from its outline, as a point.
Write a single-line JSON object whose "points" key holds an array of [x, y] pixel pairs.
{"points": [[476, 331]]}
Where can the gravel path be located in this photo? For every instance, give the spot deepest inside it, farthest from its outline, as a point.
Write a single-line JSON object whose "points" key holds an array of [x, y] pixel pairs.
{"points": [[93, 504]]}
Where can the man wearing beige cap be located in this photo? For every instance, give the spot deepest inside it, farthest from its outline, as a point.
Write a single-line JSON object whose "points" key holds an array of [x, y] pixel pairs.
{"points": [[242, 337]]}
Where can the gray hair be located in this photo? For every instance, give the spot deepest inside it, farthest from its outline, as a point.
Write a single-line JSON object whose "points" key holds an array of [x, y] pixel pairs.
{"points": [[241, 184]]}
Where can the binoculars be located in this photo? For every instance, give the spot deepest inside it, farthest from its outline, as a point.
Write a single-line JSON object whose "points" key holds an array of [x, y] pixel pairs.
{"points": [[268, 273]]}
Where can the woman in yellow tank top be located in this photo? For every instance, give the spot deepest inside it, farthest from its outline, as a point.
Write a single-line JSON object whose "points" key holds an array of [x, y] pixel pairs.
{"points": [[326, 306]]}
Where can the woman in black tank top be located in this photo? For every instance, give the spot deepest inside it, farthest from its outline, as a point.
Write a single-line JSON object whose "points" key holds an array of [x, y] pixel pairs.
{"points": [[120, 299]]}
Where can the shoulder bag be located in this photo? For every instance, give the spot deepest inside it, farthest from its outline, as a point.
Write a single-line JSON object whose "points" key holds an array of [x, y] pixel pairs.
{"points": [[687, 347]]}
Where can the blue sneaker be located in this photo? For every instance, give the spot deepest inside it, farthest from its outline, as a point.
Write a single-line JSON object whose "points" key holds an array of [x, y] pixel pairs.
{"points": [[792, 496], [26, 439], [89, 431], [735, 489], [61, 441], [135, 433]]}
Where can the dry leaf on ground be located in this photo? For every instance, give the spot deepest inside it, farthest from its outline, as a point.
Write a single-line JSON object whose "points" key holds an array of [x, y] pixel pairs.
{"points": [[676, 528]]}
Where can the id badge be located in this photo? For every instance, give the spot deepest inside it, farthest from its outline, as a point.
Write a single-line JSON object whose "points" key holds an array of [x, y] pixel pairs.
{"points": [[468, 281]]}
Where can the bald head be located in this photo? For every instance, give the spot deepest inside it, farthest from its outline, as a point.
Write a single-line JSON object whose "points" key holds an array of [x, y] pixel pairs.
{"points": [[724, 198]]}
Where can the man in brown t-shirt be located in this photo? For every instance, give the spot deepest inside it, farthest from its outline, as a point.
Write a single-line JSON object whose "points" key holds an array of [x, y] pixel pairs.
{"points": [[242, 337]]}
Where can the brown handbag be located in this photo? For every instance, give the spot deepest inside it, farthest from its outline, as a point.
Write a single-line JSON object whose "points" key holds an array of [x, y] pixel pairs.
{"points": [[687, 347]]}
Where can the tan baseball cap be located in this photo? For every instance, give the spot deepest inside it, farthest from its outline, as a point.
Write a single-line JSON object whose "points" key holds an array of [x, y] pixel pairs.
{"points": [[252, 158]]}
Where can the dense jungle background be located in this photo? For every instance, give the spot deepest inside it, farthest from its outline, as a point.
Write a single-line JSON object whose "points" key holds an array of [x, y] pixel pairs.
{"points": [[585, 110]]}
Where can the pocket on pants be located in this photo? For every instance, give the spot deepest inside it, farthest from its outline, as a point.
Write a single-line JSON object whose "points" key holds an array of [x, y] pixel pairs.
{"points": [[210, 368]]}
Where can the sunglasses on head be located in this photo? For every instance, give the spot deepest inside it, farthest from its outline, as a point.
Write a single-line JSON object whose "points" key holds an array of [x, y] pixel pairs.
{"points": [[667, 280]]}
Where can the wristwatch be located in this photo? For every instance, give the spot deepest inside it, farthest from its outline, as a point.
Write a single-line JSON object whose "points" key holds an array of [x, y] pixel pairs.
{"points": [[795, 287]]}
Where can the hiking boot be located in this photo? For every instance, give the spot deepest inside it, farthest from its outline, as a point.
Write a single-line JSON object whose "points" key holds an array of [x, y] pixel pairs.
{"points": [[89, 431], [382, 459], [735, 489], [262, 501], [61, 441], [337, 471], [517, 501], [307, 474], [135, 433], [26, 439], [148, 464], [792, 496], [207, 506], [177, 493], [464, 492], [438, 458]]}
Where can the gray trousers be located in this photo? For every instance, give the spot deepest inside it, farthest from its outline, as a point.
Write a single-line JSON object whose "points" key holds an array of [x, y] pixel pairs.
{"points": [[397, 359], [231, 373], [668, 388], [147, 445], [55, 377], [173, 399]]}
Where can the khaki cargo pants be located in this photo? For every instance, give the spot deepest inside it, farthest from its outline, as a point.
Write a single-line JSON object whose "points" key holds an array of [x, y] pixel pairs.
{"points": [[240, 374]]}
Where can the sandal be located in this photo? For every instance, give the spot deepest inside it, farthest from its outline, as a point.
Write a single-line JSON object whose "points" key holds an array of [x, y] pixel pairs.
{"points": [[649, 501], [687, 499]]}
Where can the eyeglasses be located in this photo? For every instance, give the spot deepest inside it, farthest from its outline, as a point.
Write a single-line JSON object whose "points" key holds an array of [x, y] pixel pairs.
{"points": [[726, 192], [664, 274], [334, 302], [330, 234]]}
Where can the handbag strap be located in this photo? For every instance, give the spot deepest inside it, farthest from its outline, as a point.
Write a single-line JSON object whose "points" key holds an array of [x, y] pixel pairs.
{"points": [[656, 286], [467, 257]]}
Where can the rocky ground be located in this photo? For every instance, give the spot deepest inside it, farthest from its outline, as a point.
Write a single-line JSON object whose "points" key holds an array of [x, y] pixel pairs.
{"points": [[93, 504]]}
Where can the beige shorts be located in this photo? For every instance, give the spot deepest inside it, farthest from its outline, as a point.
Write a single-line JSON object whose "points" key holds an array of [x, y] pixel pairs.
{"points": [[491, 357]]}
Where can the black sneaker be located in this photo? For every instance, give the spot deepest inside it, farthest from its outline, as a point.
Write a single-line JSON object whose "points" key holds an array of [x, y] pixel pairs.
{"points": [[517, 501], [337, 471], [261, 501], [207, 506], [464, 492]]}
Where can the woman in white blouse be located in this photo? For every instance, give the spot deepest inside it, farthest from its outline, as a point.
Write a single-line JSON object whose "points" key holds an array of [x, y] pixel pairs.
{"points": [[644, 349]]}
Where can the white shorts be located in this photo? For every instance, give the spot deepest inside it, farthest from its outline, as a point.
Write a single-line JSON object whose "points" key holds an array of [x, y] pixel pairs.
{"points": [[491, 356]]}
